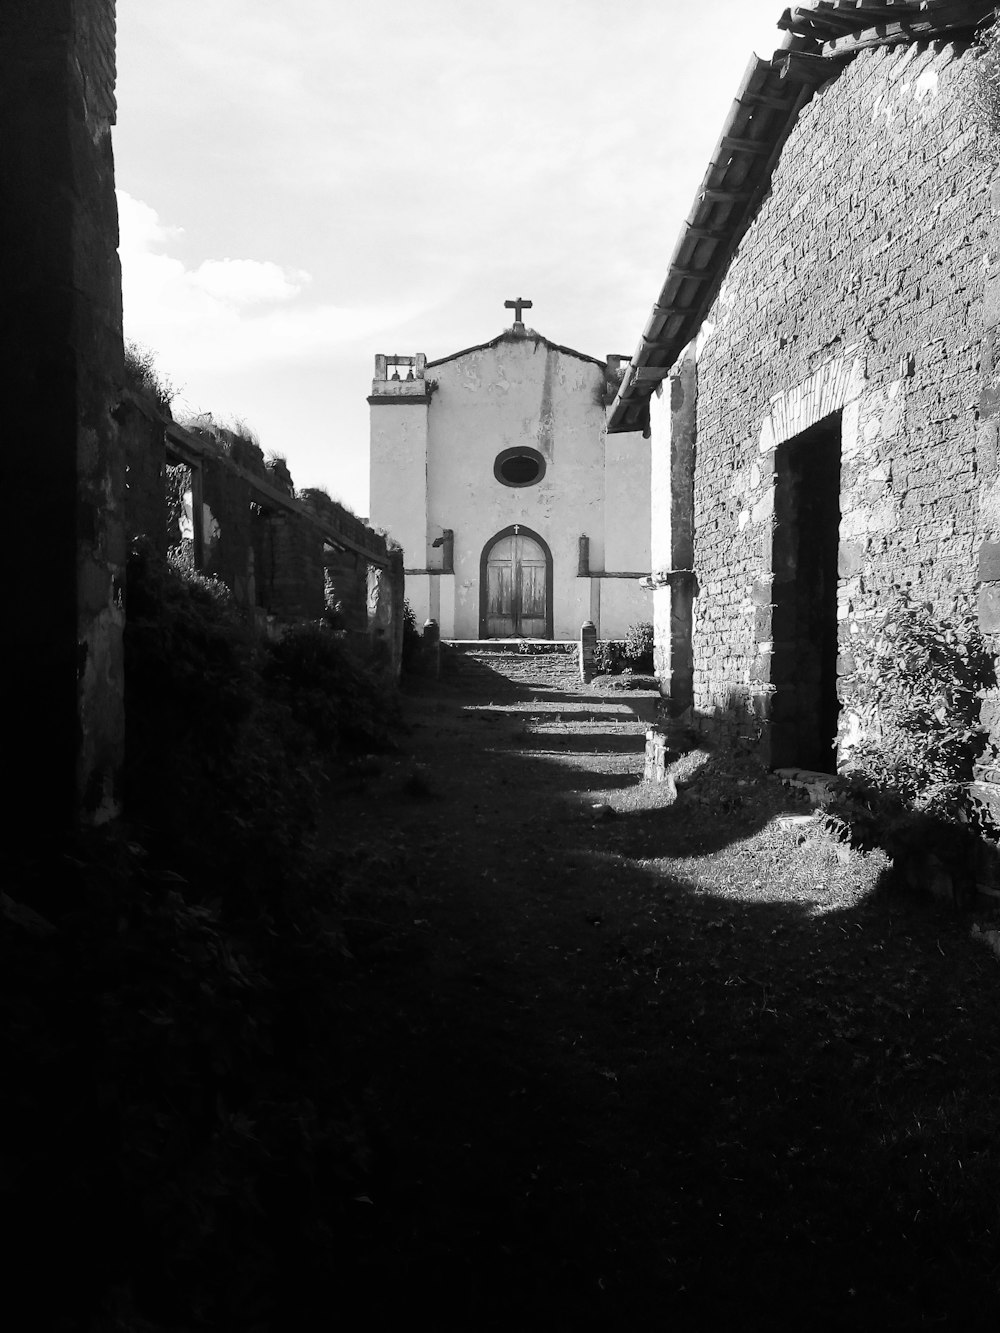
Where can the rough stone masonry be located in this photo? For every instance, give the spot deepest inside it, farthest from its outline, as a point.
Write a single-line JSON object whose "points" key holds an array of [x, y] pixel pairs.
{"points": [[848, 327], [60, 381]]}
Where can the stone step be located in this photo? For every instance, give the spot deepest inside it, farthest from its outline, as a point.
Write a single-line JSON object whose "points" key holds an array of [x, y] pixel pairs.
{"points": [[496, 669], [544, 682], [539, 647], [513, 665]]}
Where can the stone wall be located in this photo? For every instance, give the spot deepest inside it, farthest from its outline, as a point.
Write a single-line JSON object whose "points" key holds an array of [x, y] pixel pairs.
{"points": [[348, 587], [228, 545], [145, 474], [296, 590], [987, 462], [855, 301], [272, 546], [60, 378]]}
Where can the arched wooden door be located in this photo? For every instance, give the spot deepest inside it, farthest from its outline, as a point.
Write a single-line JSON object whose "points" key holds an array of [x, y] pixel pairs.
{"points": [[516, 595]]}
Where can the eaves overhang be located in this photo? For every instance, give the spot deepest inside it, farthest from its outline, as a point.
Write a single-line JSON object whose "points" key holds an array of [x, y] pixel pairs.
{"points": [[821, 36]]}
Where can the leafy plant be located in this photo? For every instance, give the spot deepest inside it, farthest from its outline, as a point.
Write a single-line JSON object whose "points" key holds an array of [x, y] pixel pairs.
{"points": [[412, 642], [638, 648], [918, 683], [231, 741], [633, 653], [609, 657], [311, 673]]}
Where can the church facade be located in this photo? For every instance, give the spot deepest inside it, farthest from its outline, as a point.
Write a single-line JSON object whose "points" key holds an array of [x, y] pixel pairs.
{"points": [[519, 516]]}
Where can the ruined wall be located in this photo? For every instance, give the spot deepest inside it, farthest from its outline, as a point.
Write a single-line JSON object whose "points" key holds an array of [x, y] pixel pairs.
{"points": [[855, 299], [60, 378], [386, 589], [348, 585], [229, 546], [273, 547], [347, 573], [144, 442], [296, 587]]}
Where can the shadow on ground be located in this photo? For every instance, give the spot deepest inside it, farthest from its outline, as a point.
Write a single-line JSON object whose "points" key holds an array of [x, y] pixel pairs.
{"points": [[674, 1068]]}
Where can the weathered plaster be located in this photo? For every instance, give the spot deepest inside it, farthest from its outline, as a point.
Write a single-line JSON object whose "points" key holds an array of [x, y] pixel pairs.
{"points": [[432, 470]]}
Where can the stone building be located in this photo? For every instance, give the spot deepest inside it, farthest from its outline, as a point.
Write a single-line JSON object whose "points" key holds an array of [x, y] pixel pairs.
{"points": [[519, 516], [828, 329], [61, 376]]}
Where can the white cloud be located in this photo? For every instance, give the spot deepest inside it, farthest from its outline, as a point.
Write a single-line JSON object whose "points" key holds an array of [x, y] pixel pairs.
{"points": [[247, 281], [226, 315], [140, 225]]}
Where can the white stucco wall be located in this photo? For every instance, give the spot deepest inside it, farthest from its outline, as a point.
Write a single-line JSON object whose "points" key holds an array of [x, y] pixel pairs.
{"points": [[623, 603], [398, 473], [626, 532], [659, 421], [521, 391]]}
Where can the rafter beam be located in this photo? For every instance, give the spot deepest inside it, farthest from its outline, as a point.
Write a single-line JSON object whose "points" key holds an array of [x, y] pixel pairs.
{"points": [[733, 144]]}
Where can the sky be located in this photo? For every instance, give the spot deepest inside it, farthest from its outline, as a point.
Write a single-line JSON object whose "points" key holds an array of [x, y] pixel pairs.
{"points": [[303, 185]]}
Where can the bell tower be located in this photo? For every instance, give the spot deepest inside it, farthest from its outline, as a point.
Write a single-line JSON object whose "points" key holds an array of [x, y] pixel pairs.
{"points": [[399, 402]]}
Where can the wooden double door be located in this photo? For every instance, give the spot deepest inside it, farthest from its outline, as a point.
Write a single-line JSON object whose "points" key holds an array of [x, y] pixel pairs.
{"points": [[517, 592]]}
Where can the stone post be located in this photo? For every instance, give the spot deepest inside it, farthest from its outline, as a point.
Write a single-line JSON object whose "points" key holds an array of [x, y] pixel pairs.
{"points": [[588, 642], [61, 379], [432, 649]]}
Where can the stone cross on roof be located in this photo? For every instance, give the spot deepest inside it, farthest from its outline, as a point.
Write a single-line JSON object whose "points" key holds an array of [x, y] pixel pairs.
{"points": [[517, 306]]}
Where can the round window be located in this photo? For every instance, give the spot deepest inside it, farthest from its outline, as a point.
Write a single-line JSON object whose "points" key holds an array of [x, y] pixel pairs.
{"points": [[519, 467]]}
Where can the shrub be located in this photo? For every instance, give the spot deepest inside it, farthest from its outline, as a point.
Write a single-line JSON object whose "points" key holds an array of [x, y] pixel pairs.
{"points": [[230, 742], [609, 657], [180, 1043], [633, 653], [638, 646], [310, 671], [143, 377], [918, 684], [412, 642]]}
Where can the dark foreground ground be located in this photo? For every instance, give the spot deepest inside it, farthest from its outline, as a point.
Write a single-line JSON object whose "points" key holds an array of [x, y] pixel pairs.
{"points": [[676, 1067]]}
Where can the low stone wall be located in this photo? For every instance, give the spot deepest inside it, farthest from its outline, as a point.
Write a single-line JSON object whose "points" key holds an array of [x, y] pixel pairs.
{"points": [[286, 556]]}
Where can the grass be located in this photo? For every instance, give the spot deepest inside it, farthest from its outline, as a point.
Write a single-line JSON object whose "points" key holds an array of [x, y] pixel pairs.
{"points": [[691, 1063], [143, 377]]}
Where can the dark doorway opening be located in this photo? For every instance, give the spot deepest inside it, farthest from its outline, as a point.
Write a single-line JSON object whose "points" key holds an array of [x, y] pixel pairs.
{"points": [[804, 593]]}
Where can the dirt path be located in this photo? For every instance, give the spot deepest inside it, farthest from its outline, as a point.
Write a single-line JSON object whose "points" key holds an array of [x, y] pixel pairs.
{"points": [[675, 1068]]}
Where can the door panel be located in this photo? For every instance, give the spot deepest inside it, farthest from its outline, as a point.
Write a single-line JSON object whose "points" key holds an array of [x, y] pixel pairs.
{"points": [[499, 600], [532, 599], [516, 593]]}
